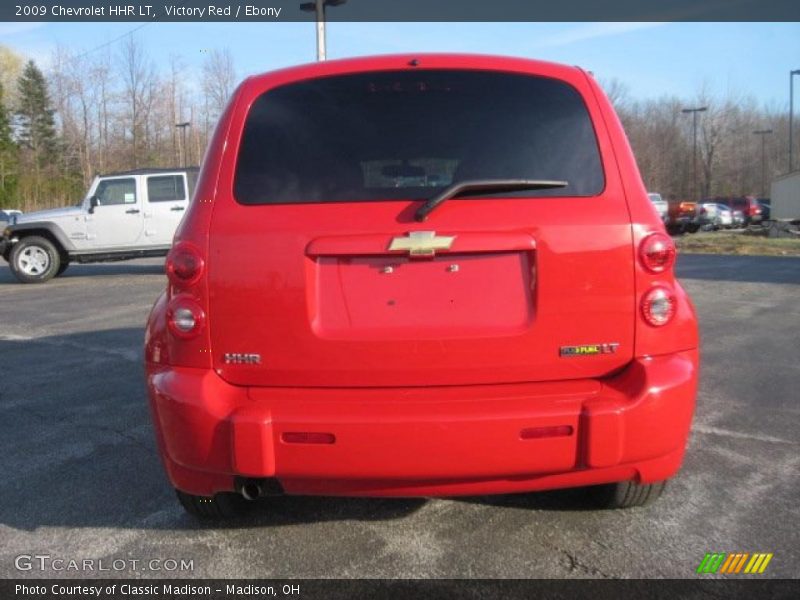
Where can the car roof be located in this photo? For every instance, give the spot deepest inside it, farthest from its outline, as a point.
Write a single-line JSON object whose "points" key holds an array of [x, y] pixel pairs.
{"points": [[150, 171], [422, 60]]}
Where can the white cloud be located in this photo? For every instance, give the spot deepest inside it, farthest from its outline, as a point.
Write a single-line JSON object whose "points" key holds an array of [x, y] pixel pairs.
{"points": [[590, 31]]}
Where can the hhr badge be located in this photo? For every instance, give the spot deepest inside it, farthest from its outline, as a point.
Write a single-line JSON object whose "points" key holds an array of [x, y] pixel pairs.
{"points": [[588, 349], [422, 243], [233, 358]]}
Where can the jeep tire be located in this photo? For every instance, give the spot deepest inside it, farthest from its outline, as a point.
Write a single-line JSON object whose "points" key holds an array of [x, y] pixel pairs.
{"points": [[225, 505], [34, 259], [63, 267], [627, 494]]}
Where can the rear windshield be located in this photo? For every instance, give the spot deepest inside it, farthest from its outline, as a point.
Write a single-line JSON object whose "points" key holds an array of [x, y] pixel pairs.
{"points": [[410, 134]]}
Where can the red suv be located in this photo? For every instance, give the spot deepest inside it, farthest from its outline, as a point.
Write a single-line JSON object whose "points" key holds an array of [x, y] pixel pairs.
{"points": [[420, 275], [751, 209]]}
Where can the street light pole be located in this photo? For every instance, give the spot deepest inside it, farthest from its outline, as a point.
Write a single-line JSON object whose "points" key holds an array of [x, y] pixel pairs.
{"points": [[182, 153], [694, 112], [791, 115], [318, 6], [763, 133]]}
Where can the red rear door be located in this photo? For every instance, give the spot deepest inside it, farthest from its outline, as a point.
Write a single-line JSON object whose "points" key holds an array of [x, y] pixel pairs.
{"points": [[314, 257]]}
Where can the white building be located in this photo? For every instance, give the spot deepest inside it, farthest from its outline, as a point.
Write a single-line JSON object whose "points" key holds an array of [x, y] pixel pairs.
{"points": [[785, 197]]}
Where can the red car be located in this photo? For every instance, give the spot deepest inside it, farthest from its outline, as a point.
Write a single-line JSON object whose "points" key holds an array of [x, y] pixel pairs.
{"points": [[421, 275], [751, 209]]}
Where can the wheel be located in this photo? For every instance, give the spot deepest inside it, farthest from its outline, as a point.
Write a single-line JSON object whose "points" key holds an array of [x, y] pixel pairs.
{"points": [[627, 494], [34, 259], [62, 267], [226, 505]]}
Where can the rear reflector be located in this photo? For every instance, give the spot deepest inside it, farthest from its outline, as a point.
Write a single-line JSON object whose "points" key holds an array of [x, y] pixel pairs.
{"points": [[658, 306], [307, 437], [185, 318], [535, 433]]}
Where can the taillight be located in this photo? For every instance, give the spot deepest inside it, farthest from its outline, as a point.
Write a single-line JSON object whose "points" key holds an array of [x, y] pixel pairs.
{"points": [[657, 252], [658, 306], [185, 317], [184, 264]]}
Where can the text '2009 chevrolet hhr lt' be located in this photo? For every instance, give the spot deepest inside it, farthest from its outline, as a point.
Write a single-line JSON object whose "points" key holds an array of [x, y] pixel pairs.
{"points": [[423, 275]]}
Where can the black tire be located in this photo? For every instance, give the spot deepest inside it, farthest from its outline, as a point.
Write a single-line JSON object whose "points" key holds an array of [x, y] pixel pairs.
{"points": [[34, 259], [627, 494], [225, 505], [62, 267]]}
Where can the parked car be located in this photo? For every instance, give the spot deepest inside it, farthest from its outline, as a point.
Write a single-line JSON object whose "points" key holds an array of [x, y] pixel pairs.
{"points": [[766, 209], [661, 205], [748, 205], [714, 216], [738, 219], [124, 215], [683, 216], [8, 214], [519, 327]]}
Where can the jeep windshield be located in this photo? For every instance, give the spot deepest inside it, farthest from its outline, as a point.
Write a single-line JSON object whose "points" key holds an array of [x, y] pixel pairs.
{"points": [[410, 135]]}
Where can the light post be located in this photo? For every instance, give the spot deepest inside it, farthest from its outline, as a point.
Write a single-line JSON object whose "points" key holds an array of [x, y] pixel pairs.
{"points": [[318, 6], [763, 133], [694, 112], [182, 153], [791, 115]]}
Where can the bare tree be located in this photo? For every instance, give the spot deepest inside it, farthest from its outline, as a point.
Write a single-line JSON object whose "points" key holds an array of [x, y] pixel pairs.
{"points": [[219, 79], [137, 76]]}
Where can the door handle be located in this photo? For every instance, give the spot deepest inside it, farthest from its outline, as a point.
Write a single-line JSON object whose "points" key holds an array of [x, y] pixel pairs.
{"points": [[132, 211], [176, 208]]}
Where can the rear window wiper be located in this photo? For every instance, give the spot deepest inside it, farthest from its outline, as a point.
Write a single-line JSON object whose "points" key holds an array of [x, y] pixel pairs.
{"points": [[491, 186]]}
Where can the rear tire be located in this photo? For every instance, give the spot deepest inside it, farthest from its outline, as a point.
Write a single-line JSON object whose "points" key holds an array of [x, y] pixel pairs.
{"points": [[225, 505], [34, 259], [627, 494]]}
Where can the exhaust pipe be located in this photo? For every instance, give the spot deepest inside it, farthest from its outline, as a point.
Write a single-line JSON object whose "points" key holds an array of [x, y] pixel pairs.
{"points": [[251, 490]]}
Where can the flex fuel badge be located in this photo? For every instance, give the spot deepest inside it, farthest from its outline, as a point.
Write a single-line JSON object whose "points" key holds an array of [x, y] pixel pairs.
{"points": [[588, 349]]}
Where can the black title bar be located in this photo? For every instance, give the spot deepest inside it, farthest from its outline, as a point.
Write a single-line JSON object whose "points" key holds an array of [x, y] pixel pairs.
{"points": [[407, 589], [401, 10]]}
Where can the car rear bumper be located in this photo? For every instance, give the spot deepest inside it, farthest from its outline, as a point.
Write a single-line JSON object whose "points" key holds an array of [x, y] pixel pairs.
{"points": [[426, 441]]}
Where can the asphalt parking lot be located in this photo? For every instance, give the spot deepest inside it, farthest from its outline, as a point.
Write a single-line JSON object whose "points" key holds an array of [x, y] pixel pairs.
{"points": [[81, 476]]}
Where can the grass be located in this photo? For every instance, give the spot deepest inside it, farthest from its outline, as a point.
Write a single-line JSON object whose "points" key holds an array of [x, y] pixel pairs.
{"points": [[718, 242]]}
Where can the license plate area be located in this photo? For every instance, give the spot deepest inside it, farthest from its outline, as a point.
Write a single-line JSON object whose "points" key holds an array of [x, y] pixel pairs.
{"points": [[449, 296]]}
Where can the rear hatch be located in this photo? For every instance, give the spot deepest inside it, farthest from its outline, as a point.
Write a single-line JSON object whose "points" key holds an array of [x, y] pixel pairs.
{"points": [[317, 265]]}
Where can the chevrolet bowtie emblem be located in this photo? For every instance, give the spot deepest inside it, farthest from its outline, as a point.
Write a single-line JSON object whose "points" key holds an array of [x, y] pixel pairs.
{"points": [[422, 243]]}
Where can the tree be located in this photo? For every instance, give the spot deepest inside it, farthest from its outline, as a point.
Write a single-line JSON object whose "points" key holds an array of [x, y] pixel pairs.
{"points": [[219, 79], [139, 80], [8, 156], [11, 65], [40, 173], [37, 129]]}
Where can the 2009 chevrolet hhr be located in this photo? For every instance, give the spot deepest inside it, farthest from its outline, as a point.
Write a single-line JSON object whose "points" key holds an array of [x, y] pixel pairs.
{"points": [[420, 275]]}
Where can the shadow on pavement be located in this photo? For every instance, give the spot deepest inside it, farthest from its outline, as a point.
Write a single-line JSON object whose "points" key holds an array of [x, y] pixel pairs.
{"points": [[77, 448]]}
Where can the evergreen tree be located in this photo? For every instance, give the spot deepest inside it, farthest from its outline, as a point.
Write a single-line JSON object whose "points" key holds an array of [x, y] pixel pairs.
{"points": [[8, 156], [37, 129]]}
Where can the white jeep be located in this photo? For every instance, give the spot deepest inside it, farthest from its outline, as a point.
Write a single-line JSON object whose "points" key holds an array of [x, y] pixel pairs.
{"points": [[123, 216]]}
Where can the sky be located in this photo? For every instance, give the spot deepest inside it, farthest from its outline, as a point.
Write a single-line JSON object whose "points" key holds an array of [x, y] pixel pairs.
{"points": [[651, 59]]}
